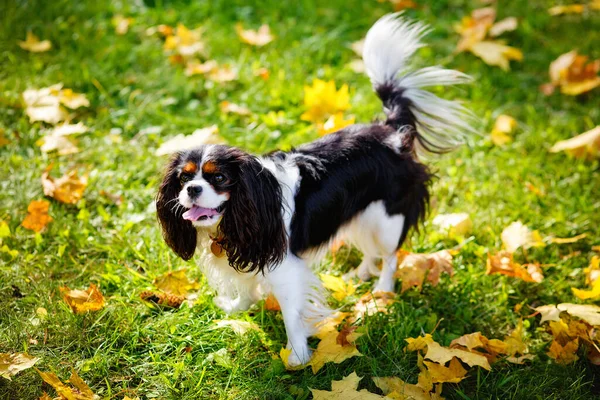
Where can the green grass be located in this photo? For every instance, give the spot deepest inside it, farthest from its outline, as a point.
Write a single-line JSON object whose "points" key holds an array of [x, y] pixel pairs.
{"points": [[130, 349]]}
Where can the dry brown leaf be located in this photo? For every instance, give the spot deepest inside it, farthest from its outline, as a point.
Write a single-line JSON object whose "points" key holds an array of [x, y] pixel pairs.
{"points": [[454, 225], [345, 389], [67, 189], [33, 44], [12, 364], [232, 108], [78, 391], [564, 354], [237, 326], [162, 299], [503, 263], [585, 146], [442, 355], [257, 38], [517, 235], [503, 130], [82, 301], [414, 268], [38, 217], [175, 283]]}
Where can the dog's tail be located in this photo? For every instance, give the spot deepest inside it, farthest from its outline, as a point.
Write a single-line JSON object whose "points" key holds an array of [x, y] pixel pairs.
{"points": [[438, 125]]}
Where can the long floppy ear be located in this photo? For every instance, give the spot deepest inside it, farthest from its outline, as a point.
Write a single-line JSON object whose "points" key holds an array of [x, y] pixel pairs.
{"points": [[252, 229], [179, 233]]}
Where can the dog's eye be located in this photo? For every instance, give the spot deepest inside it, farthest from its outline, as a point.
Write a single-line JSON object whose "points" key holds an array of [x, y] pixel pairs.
{"points": [[219, 178], [185, 178]]}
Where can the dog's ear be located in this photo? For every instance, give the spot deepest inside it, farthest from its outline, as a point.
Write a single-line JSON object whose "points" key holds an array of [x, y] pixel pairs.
{"points": [[252, 229], [179, 233]]}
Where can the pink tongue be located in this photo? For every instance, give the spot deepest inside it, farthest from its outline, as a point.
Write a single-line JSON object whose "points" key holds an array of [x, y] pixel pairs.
{"points": [[196, 212]]}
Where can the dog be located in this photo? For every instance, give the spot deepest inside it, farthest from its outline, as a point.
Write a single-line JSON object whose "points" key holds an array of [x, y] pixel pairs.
{"points": [[261, 221]]}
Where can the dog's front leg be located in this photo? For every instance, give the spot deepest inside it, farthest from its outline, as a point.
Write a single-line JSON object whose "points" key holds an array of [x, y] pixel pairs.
{"points": [[290, 283]]}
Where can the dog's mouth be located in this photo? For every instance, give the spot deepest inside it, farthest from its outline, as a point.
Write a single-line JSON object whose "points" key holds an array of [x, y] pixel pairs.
{"points": [[197, 213]]}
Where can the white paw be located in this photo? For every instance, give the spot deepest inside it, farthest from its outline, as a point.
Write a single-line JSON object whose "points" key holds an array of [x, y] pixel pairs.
{"points": [[300, 355], [384, 285], [362, 272]]}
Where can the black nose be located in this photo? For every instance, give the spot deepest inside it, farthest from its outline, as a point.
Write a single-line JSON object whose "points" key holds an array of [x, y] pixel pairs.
{"points": [[194, 190]]}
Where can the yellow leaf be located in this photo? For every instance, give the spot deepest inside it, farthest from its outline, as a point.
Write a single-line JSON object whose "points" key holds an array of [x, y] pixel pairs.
{"points": [[175, 283], [442, 355], [514, 342], [587, 312], [577, 88], [418, 343], [345, 389], [4, 229], [33, 44], [195, 67], [495, 53], [567, 9], [208, 135], [588, 294], [232, 108], [564, 354], [592, 272], [185, 42], [328, 350], [72, 100], [574, 74], [503, 130], [237, 326], [453, 373], [505, 25], [82, 301], [474, 28], [455, 225], [256, 38], [37, 217], [503, 263], [323, 100], [517, 235], [12, 364], [334, 124], [585, 146], [413, 268], [396, 388], [470, 341], [340, 288], [67, 189], [79, 391]]}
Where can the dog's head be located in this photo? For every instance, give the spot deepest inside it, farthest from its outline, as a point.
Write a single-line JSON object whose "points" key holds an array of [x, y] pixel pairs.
{"points": [[228, 193]]}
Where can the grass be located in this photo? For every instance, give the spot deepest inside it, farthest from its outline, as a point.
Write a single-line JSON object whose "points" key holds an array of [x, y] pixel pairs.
{"points": [[130, 349]]}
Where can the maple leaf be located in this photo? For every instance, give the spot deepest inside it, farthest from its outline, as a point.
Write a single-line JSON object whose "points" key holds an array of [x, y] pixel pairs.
{"points": [[517, 235], [82, 301], [395, 388], [564, 354], [495, 53], [587, 312], [415, 267], [585, 146], [470, 341], [56, 139], [419, 343], [323, 100], [329, 350], [573, 74], [257, 38], [185, 42], [78, 391], [121, 24], [503, 129], [208, 135], [12, 364], [345, 389], [372, 303], [454, 225], [232, 108], [548, 313], [334, 124], [37, 217], [67, 189], [453, 373], [162, 299], [514, 342], [44, 105], [237, 326], [71, 99], [503, 263], [340, 288], [175, 283], [442, 355], [223, 74], [33, 44]]}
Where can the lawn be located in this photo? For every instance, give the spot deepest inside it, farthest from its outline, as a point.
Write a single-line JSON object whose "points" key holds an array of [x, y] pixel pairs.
{"points": [[139, 99]]}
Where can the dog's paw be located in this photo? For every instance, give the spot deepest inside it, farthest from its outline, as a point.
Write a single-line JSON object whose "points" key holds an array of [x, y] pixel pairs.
{"points": [[299, 356], [384, 285], [361, 272]]}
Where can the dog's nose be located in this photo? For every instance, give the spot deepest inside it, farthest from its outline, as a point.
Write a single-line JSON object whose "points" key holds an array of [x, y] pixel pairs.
{"points": [[194, 190]]}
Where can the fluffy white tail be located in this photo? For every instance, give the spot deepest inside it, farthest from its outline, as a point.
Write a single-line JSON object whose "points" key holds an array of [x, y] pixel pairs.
{"points": [[437, 124]]}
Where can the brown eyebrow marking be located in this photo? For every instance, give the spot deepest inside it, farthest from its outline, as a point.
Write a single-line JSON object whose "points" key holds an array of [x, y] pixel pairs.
{"points": [[190, 167], [209, 167]]}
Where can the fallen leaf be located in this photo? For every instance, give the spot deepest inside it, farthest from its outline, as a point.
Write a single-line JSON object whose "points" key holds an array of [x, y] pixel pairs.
{"points": [[185, 42], [238, 327], [82, 301], [175, 283], [564, 354], [498, 54], [162, 299], [587, 312], [345, 389], [372, 303], [514, 342], [548, 313], [323, 100], [505, 25], [12, 364], [415, 267], [442, 355], [334, 124], [474, 28], [396, 388], [67, 189], [232, 108], [517, 235], [574, 74], [470, 341], [78, 391], [566, 9], [257, 38], [503, 263], [38, 217], [418, 343], [503, 130], [585, 146], [272, 304], [454, 225], [520, 359], [181, 142], [4, 229], [453, 373], [121, 24], [195, 67], [592, 272], [44, 105], [72, 100], [222, 74], [340, 288], [33, 44], [61, 144]]}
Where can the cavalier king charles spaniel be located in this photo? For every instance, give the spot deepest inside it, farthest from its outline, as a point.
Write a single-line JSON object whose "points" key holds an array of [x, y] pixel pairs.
{"points": [[261, 221]]}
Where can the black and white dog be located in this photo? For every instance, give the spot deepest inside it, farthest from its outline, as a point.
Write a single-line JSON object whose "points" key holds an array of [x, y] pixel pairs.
{"points": [[261, 221]]}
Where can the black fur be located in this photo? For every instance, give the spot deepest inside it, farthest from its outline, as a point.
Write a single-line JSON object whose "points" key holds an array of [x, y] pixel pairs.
{"points": [[179, 233]]}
